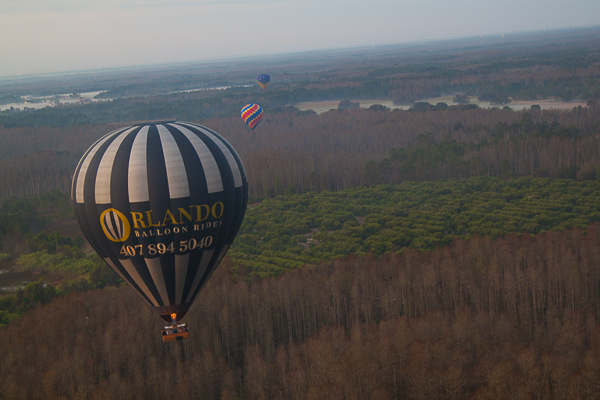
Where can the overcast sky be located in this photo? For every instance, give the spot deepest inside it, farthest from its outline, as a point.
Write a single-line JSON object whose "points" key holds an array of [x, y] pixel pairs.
{"points": [[39, 36]]}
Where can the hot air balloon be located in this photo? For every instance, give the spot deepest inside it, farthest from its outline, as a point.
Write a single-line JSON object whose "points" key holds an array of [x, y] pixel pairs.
{"points": [[252, 114], [161, 203], [263, 80]]}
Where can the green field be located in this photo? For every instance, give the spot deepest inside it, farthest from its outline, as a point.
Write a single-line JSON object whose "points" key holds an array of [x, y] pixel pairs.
{"points": [[289, 231]]}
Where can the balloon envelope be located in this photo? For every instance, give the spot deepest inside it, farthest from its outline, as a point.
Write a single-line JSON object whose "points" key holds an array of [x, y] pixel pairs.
{"points": [[252, 114], [263, 80], [161, 203]]}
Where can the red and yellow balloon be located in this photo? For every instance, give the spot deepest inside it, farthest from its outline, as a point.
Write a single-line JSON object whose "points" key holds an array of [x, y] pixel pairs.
{"points": [[252, 114]]}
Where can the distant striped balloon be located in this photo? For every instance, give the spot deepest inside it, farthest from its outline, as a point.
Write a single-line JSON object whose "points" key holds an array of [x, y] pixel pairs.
{"points": [[252, 114], [161, 203], [263, 80]]}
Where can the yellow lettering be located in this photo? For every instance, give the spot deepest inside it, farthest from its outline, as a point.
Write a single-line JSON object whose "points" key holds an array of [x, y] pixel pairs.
{"points": [[149, 214], [186, 214], [169, 215], [214, 207], [199, 211], [137, 217]]}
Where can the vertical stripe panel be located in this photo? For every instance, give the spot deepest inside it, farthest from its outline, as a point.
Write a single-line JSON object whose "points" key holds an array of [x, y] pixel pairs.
{"points": [[138, 174], [86, 164], [206, 256], [104, 171], [176, 175], [209, 165], [73, 184], [237, 176], [159, 280], [130, 268], [181, 267]]}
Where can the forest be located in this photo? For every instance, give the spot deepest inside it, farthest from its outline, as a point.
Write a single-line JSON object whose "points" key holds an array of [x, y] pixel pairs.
{"points": [[515, 317], [438, 251], [292, 151]]}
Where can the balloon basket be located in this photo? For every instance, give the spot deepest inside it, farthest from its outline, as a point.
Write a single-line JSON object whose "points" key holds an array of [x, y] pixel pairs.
{"points": [[175, 332]]}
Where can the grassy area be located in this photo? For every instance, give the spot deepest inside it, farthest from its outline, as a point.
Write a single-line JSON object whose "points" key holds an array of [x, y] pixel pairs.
{"points": [[289, 231]]}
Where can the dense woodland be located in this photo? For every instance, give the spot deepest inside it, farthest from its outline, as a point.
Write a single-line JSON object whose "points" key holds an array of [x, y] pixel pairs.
{"points": [[439, 252], [512, 318], [296, 152]]}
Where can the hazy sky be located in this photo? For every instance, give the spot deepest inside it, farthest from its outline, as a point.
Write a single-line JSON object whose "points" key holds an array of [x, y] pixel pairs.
{"points": [[38, 36]]}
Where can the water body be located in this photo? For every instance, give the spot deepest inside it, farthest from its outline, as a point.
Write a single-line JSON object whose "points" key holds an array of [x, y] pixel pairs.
{"points": [[65, 98], [211, 88], [51, 101]]}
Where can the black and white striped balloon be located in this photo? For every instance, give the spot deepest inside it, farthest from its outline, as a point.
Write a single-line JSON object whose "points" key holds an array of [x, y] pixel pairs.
{"points": [[161, 203]]}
